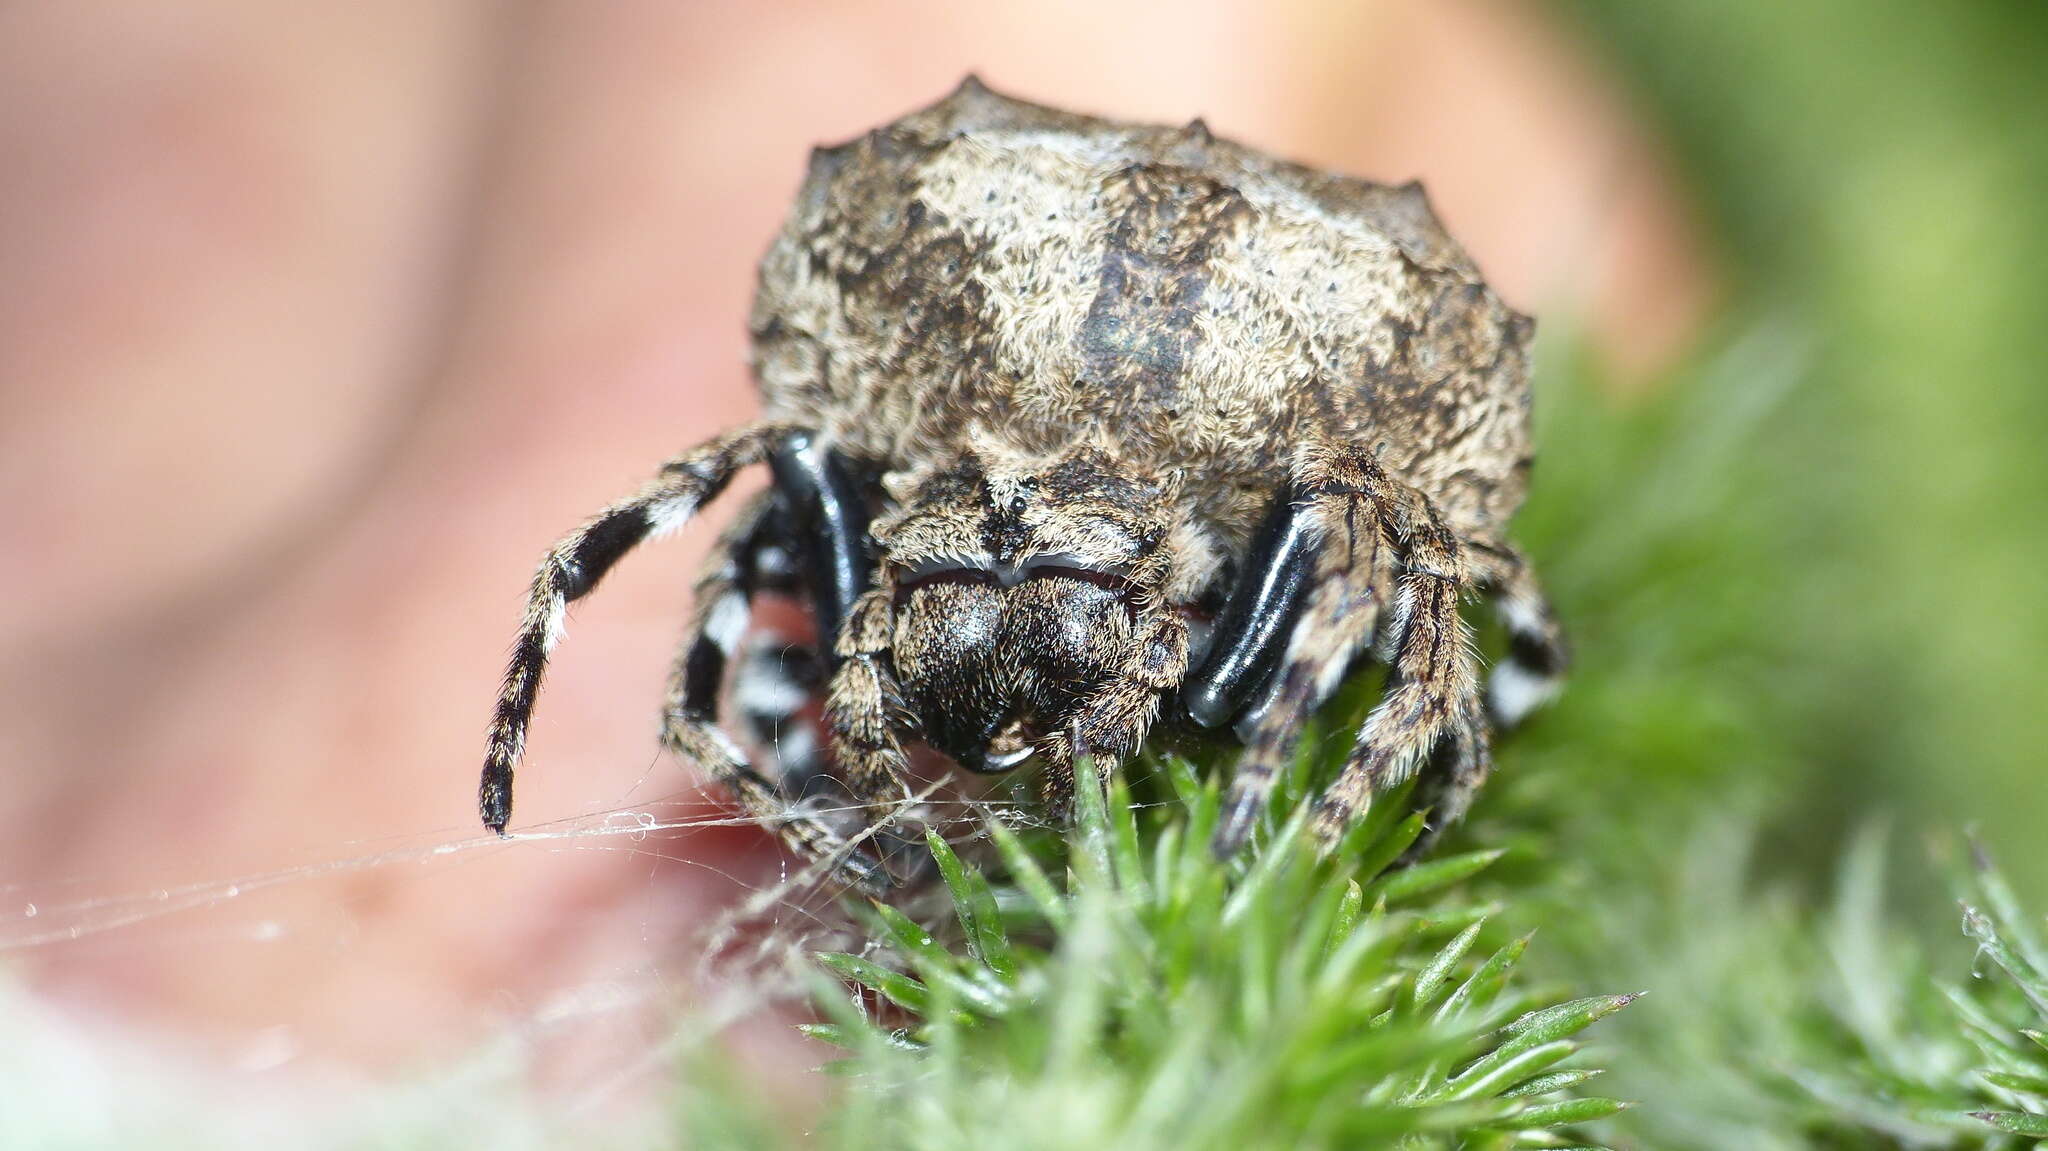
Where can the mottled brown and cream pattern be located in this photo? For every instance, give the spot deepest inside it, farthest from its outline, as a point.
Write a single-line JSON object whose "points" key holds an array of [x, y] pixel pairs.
{"points": [[1077, 425], [988, 271]]}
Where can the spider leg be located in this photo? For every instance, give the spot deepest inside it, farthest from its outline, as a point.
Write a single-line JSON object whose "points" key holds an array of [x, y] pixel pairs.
{"points": [[1250, 634], [812, 545], [1332, 533], [1433, 690], [829, 521], [774, 677], [1538, 654], [574, 566], [690, 725]]}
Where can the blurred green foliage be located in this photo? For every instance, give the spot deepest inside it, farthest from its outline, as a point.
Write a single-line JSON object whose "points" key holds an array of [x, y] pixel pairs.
{"points": [[1874, 172]]}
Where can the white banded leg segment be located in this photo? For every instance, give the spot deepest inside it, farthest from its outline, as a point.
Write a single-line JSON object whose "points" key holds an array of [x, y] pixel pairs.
{"points": [[1538, 655], [690, 725], [775, 679], [575, 565]]}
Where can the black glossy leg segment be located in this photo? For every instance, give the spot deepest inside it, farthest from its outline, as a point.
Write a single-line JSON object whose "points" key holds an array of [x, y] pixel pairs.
{"points": [[1258, 618], [704, 665], [830, 524]]}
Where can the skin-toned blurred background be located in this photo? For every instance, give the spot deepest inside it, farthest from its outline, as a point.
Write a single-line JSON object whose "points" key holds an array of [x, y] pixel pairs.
{"points": [[319, 323]]}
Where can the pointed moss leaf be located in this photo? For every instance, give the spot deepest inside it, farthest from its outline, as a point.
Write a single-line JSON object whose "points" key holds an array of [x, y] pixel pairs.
{"points": [[976, 986], [2006, 909], [1504, 1067], [1266, 865], [1979, 927], [1545, 1030], [2016, 1081], [1483, 983], [834, 1034], [1547, 1084], [1123, 826], [1438, 970], [1568, 1111], [975, 906], [1091, 818], [1565, 1019], [1166, 857], [908, 935], [894, 986], [1346, 920], [1029, 877], [1437, 874], [2015, 1122], [1382, 851], [1185, 780]]}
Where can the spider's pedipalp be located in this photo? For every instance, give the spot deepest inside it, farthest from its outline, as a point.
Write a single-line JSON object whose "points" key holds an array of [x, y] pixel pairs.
{"points": [[864, 705], [1114, 721], [576, 564]]}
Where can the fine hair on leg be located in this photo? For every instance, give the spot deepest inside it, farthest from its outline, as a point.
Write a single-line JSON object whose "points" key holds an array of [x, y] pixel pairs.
{"points": [[1338, 503], [1433, 687], [575, 565]]}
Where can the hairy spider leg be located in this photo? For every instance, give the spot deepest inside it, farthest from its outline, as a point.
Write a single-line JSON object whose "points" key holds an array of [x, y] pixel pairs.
{"points": [[1433, 687], [1538, 654], [1324, 559], [732, 575], [1530, 675], [575, 565]]}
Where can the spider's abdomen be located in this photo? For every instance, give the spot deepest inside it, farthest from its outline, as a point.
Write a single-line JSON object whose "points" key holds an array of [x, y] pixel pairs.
{"points": [[991, 267]]}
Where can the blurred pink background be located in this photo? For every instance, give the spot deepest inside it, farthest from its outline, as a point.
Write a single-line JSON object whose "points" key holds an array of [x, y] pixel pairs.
{"points": [[318, 324]]}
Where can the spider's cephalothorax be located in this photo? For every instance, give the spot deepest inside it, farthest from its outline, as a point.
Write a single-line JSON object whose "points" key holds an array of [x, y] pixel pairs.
{"points": [[1075, 425]]}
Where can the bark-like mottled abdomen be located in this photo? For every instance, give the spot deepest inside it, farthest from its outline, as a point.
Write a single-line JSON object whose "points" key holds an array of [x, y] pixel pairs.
{"points": [[987, 271]]}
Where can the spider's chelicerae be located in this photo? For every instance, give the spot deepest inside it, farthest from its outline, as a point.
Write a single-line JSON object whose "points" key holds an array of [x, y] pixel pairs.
{"points": [[1073, 424]]}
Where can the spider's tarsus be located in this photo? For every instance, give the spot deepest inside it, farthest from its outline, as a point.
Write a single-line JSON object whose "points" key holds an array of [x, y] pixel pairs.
{"points": [[494, 798], [1236, 826], [869, 876]]}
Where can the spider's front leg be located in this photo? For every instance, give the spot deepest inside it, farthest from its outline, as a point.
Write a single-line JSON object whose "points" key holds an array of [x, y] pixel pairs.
{"points": [[1538, 655], [1308, 600], [575, 565], [690, 727]]}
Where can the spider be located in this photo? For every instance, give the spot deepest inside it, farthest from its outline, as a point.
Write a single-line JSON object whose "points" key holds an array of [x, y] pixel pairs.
{"points": [[1073, 424]]}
